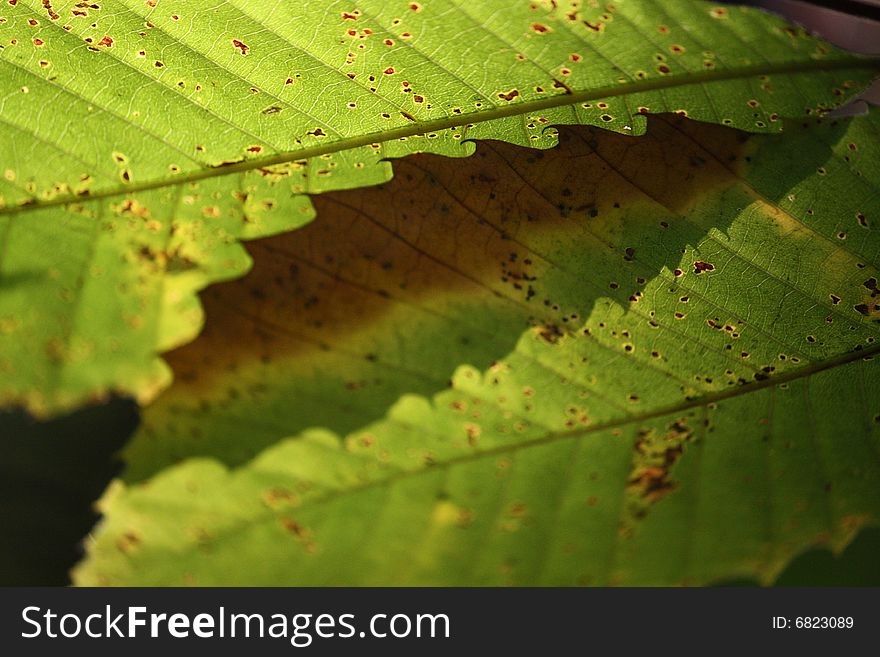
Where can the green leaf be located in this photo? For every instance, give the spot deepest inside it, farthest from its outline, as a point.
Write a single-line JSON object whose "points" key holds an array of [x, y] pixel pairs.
{"points": [[184, 130], [691, 394]]}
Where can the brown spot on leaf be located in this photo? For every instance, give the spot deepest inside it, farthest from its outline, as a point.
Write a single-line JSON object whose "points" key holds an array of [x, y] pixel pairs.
{"points": [[128, 542], [279, 497], [549, 333], [292, 526], [654, 454]]}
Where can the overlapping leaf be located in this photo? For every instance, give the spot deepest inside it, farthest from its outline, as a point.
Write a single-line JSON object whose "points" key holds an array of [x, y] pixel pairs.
{"points": [[672, 375], [142, 140]]}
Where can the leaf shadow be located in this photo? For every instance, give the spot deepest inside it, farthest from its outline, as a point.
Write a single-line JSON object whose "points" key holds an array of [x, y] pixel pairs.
{"points": [[392, 287]]}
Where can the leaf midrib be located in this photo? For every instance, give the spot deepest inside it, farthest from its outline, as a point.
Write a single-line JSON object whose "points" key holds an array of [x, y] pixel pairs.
{"points": [[852, 62]]}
